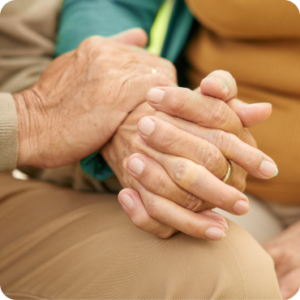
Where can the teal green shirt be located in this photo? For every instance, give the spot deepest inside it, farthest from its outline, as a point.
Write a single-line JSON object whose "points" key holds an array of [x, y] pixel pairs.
{"points": [[81, 19]]}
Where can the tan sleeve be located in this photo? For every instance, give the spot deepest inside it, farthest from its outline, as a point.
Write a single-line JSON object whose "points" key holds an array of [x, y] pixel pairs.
{"points": [[8, 133]]}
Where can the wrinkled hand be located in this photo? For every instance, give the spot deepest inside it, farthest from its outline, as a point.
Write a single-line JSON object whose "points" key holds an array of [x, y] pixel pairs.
{"points": [[163, 199], [83, 97], [285, 251], [175, 153], [221, 124]]}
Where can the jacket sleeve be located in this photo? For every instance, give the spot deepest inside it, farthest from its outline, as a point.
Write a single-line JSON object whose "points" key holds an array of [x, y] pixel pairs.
{"points": [[8, 133], [81, 19]]}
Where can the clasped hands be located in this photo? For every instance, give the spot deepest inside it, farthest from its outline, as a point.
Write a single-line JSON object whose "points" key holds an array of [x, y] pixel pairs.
{"points": [[171, 154]]}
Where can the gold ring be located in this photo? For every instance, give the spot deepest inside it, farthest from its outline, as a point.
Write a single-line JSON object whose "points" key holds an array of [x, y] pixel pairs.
{"points": [[228, 172], [154, 71]]}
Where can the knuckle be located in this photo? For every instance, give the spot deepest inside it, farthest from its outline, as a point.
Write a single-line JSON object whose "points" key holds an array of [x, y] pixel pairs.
{"points": [[179, 169], [152, 207], [224, 141], [122, 89], [219, 138], [157, 184], [218, 115], [132, 66], [166, 233], [178, 99], [193, 203], [91, 46], [168, 137], [229, 142], [213, 158]]}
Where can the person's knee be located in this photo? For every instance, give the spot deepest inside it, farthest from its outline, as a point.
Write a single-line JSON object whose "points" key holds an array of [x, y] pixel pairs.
{"points": [[188, 268], [235, 268], [254, 268]]}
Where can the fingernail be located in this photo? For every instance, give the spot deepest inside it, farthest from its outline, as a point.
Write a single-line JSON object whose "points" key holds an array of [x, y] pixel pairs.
{"points": [[127, 201], [215, 234], [268, 169], [221, 83], [146, 126], [241, 207], [217, 217], [155, 96], [262, 103], [136, 166]]}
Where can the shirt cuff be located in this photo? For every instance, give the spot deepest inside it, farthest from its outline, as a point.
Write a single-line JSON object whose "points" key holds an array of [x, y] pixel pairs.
{"points": [[8, 133]]}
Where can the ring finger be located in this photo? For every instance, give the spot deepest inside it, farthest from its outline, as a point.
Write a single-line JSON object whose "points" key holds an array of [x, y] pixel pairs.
{"points": [[198, 181], [153, 177]]}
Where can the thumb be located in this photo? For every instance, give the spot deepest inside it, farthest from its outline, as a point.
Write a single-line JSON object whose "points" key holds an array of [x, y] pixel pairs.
{"points": [[221, 85], [135, 37], [251, 114]]}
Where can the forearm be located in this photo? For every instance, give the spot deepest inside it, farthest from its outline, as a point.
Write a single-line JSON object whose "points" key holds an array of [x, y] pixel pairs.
{"points": [[8, 133], [82, 19]]}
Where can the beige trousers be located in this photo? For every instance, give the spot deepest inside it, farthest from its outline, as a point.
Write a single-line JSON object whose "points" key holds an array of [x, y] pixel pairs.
{"points": [[57, 243]]}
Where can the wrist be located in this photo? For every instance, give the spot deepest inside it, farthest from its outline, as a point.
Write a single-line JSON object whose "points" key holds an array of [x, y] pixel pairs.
{"points": [[26, 125]]}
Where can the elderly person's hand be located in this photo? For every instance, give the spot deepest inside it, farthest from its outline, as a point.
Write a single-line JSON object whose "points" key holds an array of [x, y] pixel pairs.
{"points": [[285, 251], [179, 162], [83, 97]]}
